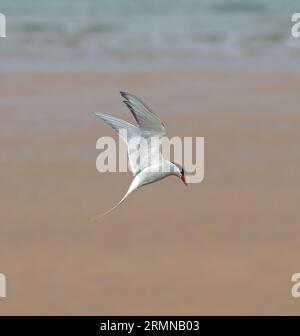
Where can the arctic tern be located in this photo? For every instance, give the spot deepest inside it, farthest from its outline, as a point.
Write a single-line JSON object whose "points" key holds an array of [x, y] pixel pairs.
{"points": [[146, 161]]}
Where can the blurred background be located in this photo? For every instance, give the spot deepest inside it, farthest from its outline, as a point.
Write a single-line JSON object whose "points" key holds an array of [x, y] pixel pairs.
{"points": [[227, 71], [141, 34]]}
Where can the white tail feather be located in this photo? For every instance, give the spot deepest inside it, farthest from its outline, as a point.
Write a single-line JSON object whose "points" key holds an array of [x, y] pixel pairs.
{"points": [[110, 210]]}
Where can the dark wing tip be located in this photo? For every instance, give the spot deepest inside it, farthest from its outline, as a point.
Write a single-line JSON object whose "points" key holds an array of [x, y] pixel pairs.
{"points": [[124, 94]]}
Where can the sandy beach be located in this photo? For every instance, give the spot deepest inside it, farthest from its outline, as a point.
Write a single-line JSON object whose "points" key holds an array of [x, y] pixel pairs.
{"points": [[228, 245]]}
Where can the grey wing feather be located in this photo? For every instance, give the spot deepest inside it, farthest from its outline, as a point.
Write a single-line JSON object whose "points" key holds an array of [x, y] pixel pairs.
{"points": [[148, 121], [118, 124]]}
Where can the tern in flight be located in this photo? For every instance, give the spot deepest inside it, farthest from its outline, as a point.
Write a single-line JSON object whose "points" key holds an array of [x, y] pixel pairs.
{"points": [[146, 161]]}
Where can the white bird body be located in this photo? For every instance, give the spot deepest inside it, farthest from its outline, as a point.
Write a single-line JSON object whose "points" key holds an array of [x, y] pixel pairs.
{"points": [[154, 173], [143, 145]]}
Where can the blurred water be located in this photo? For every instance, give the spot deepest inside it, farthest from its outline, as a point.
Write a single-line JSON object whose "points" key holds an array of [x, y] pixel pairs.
{"points": [[139, 34]]}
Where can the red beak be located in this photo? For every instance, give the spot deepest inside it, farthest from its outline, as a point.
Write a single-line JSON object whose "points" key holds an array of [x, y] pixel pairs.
{"points": [[183, 180]]}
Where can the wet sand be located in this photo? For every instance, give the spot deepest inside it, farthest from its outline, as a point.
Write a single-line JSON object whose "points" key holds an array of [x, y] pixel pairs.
{"points": [[228, 245]]}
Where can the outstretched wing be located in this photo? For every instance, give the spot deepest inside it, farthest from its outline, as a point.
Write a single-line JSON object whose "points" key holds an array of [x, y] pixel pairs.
{"points": [[132, 132], [118, 125], [143, 142], [149, 123]]}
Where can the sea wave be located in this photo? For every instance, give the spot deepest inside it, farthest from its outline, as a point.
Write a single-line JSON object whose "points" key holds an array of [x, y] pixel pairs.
{"points": [[125, 34]]}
